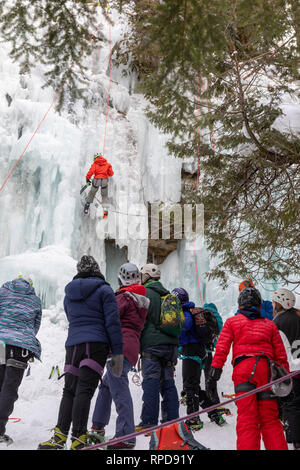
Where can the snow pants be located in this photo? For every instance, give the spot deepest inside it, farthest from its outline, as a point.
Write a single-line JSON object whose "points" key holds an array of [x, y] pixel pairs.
{"points": [[214, 391], [81, 381], [158, 378], [96, 184], [291, 413], [257, 415], [195, 397], [11, 375], [117, 390]]}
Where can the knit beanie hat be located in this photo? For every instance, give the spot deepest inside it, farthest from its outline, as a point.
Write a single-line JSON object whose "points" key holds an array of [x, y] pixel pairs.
{"points": [[88, 264], [244, 284]]}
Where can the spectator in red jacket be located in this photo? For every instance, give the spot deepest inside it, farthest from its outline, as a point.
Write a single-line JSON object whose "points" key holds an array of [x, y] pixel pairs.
{"points": [[102, 170], [255, 341]]}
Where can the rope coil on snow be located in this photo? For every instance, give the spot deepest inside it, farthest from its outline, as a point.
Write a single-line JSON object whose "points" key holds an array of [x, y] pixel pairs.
{"points": [[14, 420]]}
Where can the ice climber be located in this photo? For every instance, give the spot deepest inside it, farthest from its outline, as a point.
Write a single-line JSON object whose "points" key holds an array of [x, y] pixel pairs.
{"points": [[94, 332], [101, 170], [20, 319], [255, 341], [133, 308]]}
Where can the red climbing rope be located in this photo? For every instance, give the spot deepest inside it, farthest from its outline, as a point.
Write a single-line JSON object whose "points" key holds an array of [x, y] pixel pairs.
{"points": [[198, 156], [14, 420], [109, 86]]}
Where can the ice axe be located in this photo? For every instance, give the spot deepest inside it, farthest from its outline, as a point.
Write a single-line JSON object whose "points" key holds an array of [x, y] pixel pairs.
{"points": [[84, 187]]}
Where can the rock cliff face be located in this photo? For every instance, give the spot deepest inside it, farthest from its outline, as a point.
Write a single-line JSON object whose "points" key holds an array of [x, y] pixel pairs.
{"points": [[159, 248]]}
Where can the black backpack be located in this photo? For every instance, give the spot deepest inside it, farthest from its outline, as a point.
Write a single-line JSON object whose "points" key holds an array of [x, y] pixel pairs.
{"points": [[206, 328]]}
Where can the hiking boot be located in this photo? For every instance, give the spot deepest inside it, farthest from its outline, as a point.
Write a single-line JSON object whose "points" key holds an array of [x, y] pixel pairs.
{"points": [[195, 424], [225, 411], [100, 430], [79, 442], [86, 208], [142, 427], [56, 442], [182, 399], [5, 439], [96, 434], [216, 417], [121, 445]]}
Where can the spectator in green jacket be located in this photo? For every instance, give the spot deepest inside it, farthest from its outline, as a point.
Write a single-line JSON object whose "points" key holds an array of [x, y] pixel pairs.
{"points": [[159, 353]]}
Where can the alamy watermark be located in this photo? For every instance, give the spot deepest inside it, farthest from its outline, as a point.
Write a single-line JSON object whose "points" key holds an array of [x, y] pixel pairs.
{"points": [[136, 221], [296, 349]]}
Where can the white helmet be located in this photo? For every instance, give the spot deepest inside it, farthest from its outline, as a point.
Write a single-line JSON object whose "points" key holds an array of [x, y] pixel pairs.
{"points": [[284, 297], [150, 271], [129, 274]]}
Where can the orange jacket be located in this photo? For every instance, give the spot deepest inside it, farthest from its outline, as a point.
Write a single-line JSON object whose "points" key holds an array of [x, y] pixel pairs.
{"points": [[100, 168]]}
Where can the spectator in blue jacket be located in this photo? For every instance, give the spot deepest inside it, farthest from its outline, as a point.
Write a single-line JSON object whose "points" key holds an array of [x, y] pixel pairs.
{"points": [[94, 332], [193, 355], [266, 310], [20, 319]]}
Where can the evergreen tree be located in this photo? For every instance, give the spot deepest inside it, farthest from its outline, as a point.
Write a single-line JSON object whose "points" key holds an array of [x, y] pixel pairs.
{"points": [[225, 70], [56, 34]]}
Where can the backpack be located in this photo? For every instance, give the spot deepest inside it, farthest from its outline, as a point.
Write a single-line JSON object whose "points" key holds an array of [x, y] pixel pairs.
{"points": [[209, 334], [171, 315], [175, 437]]}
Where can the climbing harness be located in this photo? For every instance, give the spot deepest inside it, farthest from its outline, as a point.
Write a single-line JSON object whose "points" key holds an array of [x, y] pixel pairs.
{"points": [[88, 362]]}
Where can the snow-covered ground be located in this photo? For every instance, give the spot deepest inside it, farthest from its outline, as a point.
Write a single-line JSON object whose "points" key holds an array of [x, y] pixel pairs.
{"points": [[39, 397]]}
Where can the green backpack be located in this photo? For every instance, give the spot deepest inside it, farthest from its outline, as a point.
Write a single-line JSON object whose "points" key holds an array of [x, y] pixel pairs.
{"points": [[171, 315]]}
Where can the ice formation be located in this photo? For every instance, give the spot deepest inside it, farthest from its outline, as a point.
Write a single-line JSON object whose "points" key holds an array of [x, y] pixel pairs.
{"points": [[43, 229]]}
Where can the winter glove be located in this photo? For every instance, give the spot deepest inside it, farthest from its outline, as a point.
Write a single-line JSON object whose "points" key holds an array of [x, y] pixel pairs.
{"points": [[88, 181], [116, 364], [214, 375]]}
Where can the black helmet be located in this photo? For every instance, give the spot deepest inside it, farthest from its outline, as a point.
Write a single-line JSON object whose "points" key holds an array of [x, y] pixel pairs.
{"points": [[181, 293], [250, 297]]}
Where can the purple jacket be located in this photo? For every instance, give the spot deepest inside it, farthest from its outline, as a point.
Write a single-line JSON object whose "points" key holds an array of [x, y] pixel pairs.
{"points": [[133, 308]]}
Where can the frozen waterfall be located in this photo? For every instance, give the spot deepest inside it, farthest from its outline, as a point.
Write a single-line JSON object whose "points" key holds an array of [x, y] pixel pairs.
{"points": [[43, 228]]}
